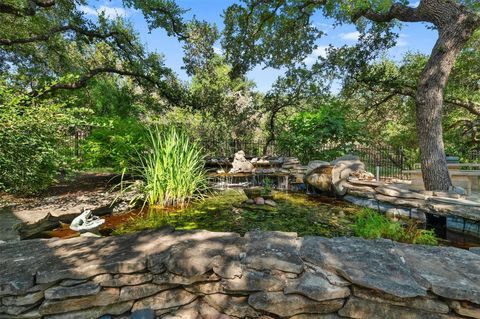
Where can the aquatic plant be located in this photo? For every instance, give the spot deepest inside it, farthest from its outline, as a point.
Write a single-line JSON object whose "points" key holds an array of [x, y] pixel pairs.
{"points": [[170, 171], [225, 211], [371, 224]]}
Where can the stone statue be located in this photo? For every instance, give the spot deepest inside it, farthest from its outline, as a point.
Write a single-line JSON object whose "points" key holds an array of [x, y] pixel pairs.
{"points": [[86, 222], [241, 164]]}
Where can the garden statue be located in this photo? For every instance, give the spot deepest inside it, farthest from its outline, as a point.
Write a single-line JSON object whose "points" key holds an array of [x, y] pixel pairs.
{"points": [[241, 164], [86, 222]]}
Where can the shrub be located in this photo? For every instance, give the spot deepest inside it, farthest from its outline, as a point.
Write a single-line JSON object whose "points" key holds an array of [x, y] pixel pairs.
{"points": [[113, 143], [307, 133], [371, 224], [171, 169], [33, 150]]}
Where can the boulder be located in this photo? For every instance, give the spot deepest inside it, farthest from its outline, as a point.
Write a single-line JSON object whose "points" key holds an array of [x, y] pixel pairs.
{"points": [[259, 201], [270, 202], [241, 164], [332, 177], [368, 263]]}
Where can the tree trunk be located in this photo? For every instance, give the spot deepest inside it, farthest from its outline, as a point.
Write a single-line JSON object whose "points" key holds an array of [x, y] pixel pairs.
{"points": [[429, 103]]}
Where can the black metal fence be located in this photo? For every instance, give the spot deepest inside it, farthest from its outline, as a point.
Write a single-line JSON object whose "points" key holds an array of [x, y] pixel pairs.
{"points": [[472, 157], [74, 139], [389, 160]]}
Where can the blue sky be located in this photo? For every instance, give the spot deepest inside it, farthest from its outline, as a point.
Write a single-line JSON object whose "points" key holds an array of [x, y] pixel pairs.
{"points": [[414, 37]]}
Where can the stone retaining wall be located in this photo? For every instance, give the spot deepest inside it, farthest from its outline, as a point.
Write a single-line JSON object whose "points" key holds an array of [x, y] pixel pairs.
{"points": [[200, 274]]}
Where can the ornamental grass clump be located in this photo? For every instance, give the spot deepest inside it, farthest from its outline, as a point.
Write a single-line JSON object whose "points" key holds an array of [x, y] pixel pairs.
{"points": [[172, 168], [370, 224]]}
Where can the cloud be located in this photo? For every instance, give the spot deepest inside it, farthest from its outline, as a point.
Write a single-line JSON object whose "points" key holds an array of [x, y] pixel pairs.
{"points": [[350, 36], [401, 41], [320, 51], [414, 4], [110, 12]]}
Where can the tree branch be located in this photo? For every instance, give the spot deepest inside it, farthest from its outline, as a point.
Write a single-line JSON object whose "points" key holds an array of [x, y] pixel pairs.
{"points": [[31, 10], [55, 30], [397, 11], [94, 72]]}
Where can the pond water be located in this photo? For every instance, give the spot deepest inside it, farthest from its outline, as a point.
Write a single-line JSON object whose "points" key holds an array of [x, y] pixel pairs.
{"points": [[226, 211]]}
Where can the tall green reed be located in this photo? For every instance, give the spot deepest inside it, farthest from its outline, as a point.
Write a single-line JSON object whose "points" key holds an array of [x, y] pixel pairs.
{"points": [[171, 169]]}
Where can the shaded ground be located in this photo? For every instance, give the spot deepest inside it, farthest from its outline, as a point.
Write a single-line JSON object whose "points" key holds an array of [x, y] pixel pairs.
{"points": [[24, 217]]}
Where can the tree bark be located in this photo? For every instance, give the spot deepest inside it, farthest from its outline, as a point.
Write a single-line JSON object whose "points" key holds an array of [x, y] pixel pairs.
{"points": [[453, 36]]}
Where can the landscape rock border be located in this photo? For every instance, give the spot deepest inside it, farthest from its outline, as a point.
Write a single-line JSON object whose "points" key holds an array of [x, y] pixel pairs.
{"points": [[201, 274]]}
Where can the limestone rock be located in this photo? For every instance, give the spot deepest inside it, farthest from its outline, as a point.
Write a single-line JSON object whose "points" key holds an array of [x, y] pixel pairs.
{"points": [[317, 316], [142, 291], [358, 308], [270, 202], [142, 314], [73, 282], [169, 278], [95, 312], [426, 304], [165, 299], [273, 250], [194, 256], [241, 164], [466, 309], [259, 201], [105, 297], [312, 165], [253, 280], [231, 305], [320, 178], [228, 265], [475, 250], [368, 263], [315, 287], [208, 312], [289, 305], [30, 314], [206, 288], [452, 273], [59, 292], [14, 311], [23, 300], [399, 190], [120, 280]]}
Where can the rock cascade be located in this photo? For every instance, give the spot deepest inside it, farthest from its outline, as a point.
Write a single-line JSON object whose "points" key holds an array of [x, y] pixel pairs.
{"points": [[201, 274], [398, 201]]}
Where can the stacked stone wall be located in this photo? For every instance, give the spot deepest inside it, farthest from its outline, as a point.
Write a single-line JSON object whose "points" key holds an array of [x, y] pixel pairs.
{"points": [[200, 274]]}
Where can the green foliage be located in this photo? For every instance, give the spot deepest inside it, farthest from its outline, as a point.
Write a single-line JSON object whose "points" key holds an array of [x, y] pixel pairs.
{"points": [[307, 133], [33, 144], [370, 224], [172, 168], [114, 143], [267, 186]]}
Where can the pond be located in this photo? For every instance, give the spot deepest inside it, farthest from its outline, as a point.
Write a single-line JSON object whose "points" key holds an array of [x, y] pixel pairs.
{"points": [[227, 211]]}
